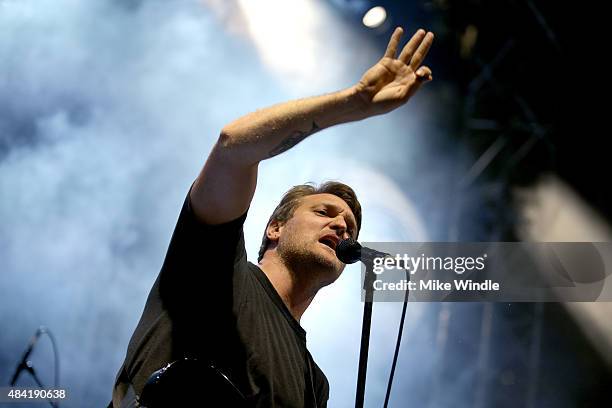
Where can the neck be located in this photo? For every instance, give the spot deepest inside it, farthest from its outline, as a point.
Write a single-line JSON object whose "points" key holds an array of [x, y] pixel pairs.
{"points": [[297, 293]]}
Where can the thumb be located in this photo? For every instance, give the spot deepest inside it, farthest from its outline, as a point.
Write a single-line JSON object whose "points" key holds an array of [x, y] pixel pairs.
{"points": [[424, 74]]}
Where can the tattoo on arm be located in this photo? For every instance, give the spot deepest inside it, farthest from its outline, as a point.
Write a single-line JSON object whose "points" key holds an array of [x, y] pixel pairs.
{"points": [[293, 139]]}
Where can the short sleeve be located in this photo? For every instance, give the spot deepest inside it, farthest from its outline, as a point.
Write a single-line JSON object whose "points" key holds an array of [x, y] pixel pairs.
{"points": [[199, 270]]}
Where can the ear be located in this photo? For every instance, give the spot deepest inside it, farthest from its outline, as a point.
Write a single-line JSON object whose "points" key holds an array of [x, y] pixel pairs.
{"points": [[273, 231]]}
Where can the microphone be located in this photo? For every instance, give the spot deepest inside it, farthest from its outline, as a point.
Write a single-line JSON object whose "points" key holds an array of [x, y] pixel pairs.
{"points": [[23, 364], [350, 251]]}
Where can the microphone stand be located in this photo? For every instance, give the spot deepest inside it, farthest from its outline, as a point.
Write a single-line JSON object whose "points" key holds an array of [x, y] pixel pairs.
{"points": [[368, 286], [30, 368], [27, 366]]}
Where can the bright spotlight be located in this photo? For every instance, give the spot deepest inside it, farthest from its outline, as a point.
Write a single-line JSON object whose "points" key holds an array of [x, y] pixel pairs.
{"points": [[374, 17]]}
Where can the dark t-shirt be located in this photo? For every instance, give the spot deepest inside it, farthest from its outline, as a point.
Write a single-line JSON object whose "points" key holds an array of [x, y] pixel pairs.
{"points": [[210, 303]]}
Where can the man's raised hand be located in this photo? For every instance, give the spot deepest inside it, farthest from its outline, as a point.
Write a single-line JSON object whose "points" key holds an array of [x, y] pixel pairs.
{"points": [[393, 80]]}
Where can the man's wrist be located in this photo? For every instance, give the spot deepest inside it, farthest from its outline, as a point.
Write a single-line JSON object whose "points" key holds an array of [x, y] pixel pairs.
{"points": [[353, 106]]}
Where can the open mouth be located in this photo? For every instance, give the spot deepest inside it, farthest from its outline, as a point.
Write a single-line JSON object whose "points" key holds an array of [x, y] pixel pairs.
{"points": [[329, 242]]}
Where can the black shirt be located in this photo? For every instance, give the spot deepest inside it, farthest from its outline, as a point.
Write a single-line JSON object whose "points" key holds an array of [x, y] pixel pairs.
{"points": [[210, 303]]}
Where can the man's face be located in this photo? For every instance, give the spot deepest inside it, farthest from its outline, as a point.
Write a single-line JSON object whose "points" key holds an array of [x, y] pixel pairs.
{"points": [[307, 241]]}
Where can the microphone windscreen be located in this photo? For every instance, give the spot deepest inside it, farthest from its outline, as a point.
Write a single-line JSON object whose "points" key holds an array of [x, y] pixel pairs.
{"points": [[348, 251]]}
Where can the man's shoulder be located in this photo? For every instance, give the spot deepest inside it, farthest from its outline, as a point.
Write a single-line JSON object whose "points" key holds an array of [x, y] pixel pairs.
{"points": [[188, 212]]}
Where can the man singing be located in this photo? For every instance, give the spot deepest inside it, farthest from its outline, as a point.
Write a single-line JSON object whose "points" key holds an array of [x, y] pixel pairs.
{"points": [[238, 322]]}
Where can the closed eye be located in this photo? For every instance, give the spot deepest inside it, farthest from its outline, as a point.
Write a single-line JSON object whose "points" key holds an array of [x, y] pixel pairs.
{"points": [[322, 212]]}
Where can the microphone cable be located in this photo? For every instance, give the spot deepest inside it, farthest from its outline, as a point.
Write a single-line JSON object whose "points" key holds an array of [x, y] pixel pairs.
{"points": [[397, 344], [55, 356]]}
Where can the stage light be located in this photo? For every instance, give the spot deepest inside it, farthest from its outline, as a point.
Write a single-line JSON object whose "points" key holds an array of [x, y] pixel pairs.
{"points": [[285, 35], [374, 17]]}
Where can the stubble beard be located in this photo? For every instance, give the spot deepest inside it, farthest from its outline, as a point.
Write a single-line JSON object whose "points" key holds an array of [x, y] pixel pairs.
{"points": [[306, 261]]}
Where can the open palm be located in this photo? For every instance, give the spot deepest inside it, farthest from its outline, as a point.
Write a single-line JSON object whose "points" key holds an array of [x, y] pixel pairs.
{"points": [[392, 81]]}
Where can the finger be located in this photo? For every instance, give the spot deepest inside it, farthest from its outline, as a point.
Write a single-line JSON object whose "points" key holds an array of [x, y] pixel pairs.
{"points": [[412, 45], [393, 42], [425, 79], [421, 52], [423, 72]]}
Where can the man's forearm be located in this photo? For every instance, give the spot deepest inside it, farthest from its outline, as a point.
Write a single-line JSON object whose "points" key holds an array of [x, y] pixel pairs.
{"points": [[273, 130]]}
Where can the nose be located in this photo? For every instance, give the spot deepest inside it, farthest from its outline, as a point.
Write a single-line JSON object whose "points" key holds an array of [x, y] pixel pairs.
{"points": [[338, 224]]}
